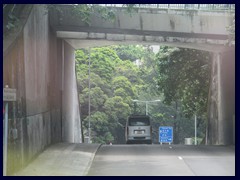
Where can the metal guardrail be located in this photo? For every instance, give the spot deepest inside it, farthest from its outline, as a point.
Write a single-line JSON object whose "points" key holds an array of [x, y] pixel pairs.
{"points": [[180, 6], [209, 7]]}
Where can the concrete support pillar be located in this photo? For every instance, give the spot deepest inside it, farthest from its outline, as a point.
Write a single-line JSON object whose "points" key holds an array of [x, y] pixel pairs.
{"points": [[222, 99], [227, 79], [70, 105]]}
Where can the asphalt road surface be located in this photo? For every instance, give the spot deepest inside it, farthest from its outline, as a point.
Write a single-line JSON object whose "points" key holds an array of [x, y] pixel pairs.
{"points": [[163, 160]]}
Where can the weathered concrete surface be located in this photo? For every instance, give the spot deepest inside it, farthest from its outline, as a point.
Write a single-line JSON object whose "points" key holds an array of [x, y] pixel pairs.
{"points": [[70, 106], [36, 56], [146, 26], [32, 64], [221, 125], [62, 159], [156, 20], [89, 43], [29, 67]]}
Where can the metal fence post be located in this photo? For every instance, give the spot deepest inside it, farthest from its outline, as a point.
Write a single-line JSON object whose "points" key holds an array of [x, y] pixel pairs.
{"points": [[5, 140]]}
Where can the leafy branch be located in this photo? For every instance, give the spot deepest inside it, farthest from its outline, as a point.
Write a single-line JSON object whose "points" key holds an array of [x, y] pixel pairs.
{"points": [[85, 11], [10, 19]]}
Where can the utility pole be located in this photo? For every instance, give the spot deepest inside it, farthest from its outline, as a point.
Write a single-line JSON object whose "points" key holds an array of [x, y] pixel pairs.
{"points": [[8, 95], [5, 140], [134, 107], [146, 108], [175, 125], [195, 130], [89, 98]]}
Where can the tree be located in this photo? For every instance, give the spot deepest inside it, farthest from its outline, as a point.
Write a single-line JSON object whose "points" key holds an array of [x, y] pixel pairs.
{"points": [[123, 83], [231, 30], [183, 78], [129, 52], [85, 11], [117, 111], [115, 82], [184, 75], [100, 127], [148, 73], [129, 70], [97, 98], [102, 62], [110, 93]]}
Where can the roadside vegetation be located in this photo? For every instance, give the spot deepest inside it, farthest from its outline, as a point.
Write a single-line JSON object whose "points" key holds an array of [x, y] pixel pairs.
{"points": [[119, 74]]}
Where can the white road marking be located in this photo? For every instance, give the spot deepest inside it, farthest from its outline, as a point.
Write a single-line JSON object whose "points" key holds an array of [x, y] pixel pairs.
{"points": [[179, 157]]}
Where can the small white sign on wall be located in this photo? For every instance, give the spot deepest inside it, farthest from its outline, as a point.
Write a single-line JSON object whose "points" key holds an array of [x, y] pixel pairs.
{"points": [[9, 94]]}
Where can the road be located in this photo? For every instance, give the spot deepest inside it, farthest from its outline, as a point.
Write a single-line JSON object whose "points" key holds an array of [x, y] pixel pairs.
{"points": [[163, 160]]}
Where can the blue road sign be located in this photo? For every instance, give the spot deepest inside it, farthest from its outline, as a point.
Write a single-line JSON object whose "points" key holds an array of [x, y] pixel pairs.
{"points": [[165, 134]]}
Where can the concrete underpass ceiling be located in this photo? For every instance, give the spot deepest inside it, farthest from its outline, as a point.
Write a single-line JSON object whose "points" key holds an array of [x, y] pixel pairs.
{"points": [[78, 41]]}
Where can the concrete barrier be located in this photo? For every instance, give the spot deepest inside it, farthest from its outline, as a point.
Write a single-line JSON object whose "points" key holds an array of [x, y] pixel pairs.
{"points": [[188, 141]]}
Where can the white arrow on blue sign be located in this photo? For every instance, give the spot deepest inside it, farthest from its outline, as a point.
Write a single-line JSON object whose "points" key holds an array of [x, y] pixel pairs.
{"points": [[165, 134]]}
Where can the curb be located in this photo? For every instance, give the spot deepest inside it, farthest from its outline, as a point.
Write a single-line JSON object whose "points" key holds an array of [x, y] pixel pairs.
{"points": [[90, 161]]}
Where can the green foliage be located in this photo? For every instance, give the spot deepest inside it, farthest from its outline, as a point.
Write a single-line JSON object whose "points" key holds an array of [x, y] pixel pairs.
{"points": [[85, 11], [10, 17], [53, 7], [123, 83], [102, 62], [113, 101], [130, 8], [106, 13], [100, 124], [175, 75], [129, 52], [184, 75], [148, 74], [231, 30], [116, 108], [97, 98]]}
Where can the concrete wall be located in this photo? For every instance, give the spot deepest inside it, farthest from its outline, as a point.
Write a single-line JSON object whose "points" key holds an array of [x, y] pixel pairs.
{"points": [[221, 125], [31, 66]]}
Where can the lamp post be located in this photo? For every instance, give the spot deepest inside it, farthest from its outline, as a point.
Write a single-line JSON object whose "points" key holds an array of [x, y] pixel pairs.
{"points": [[89, 101], [195, 130], [146, 102]]}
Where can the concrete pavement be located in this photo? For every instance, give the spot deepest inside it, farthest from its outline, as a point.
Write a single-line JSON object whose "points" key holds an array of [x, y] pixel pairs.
{"points": [[163, 160], [69, 159], [62, 159]]}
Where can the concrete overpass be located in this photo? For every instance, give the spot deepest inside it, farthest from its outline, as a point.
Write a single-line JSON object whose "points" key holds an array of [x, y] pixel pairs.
{"points": [[39, 63], [195, 28]]}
